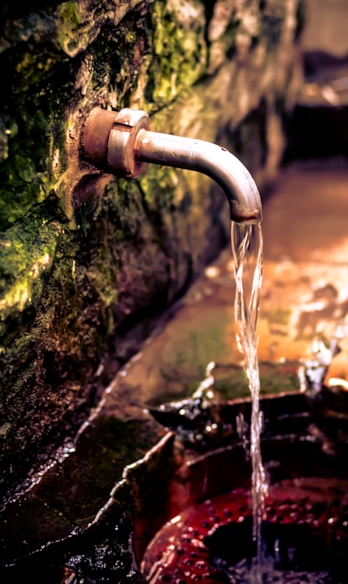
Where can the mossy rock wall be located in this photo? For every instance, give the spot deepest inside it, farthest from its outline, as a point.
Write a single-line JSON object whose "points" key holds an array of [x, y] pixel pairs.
{"points": [[87, 261]]}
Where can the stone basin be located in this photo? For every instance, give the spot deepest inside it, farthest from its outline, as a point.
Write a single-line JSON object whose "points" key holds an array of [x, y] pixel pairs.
{"points": [[304, 448], [303, 438], [196, 475]]}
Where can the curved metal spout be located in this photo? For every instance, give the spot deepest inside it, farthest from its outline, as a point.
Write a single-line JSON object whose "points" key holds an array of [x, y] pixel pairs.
{"points": [[210, 159], [123, 142]]}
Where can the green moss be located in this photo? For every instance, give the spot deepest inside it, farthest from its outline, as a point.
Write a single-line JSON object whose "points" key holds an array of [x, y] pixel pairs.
{"points": [[32, 106], [24, 261], [274, 378], [22, 185], [159, 186], [27, 253], [77, 24], [277, 316], [118, 53], [68, 21], [179, 50], [69, 13], [62, 292]]}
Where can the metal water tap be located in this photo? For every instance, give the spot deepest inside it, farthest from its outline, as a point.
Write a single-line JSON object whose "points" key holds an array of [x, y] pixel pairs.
{"points": [[122, 143]]}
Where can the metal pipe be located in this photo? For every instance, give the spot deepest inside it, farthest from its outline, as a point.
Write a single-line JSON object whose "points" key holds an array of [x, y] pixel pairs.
{"points": [[207, 158], [123, 142]]}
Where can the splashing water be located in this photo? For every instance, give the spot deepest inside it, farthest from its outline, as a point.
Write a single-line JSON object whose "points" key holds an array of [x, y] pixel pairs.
{"points": [[247, 248]]}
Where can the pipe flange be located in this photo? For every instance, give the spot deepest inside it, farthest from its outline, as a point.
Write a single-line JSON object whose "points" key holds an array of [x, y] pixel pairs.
{"points": [[95, 135], [122, 142], [109, 138]]}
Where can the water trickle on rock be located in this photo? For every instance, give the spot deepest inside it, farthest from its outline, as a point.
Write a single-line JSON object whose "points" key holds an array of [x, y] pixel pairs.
{"points": [[247, 250]]}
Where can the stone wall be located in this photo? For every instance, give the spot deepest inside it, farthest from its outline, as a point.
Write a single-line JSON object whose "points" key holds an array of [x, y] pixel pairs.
{"points": [[87, 261]]}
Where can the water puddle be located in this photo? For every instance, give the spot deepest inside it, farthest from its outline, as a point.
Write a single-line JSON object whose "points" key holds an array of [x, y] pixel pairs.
{"points": [[305, 538]]}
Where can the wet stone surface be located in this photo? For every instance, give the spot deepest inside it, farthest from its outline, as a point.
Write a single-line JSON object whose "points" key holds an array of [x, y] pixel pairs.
{"points": [[304, 297]]}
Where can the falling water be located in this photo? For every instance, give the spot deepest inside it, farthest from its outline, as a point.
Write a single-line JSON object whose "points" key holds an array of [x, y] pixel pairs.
{"points": [[247, 246]]}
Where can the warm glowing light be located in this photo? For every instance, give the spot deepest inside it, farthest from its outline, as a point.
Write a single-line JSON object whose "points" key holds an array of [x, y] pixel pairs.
{"points": [[335, 381], [212, 272]]}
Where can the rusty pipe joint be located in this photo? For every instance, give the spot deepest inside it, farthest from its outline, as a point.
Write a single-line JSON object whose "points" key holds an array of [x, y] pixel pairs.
{"points": [[122, 143], [108, 140]]}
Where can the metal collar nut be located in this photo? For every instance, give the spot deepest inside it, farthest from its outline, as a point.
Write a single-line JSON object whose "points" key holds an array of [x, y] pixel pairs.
{"points": [[109, 140]]}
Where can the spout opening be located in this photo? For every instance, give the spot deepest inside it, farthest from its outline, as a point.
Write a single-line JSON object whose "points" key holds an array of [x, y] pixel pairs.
{"points": [[241, 215]]}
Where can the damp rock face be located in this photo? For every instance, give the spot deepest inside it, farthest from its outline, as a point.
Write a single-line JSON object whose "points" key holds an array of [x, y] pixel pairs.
{"points": [[88, 260]]}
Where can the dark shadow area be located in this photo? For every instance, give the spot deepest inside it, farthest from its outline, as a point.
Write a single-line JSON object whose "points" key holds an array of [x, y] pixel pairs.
{"points": [[316, 132], [318, 126]]}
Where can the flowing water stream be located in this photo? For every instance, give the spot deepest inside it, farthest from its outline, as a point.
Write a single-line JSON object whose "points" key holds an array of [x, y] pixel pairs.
{"points": [[247, 250]]}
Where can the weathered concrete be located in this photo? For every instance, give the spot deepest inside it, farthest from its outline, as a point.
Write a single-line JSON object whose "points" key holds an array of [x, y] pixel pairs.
{"points": [[85, 257]]}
